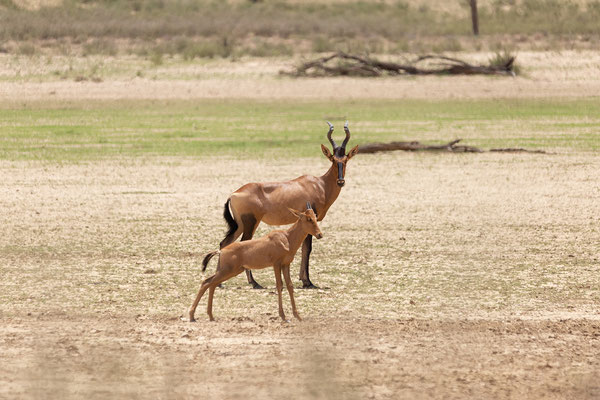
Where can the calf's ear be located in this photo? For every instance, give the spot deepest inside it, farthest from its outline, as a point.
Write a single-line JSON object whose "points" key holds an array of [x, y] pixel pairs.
{"points": [[298, 214]]}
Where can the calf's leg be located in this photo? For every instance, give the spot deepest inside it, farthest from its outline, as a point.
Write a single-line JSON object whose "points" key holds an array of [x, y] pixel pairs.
{"points": [[279, 286], [220, 277], [290, 289]]}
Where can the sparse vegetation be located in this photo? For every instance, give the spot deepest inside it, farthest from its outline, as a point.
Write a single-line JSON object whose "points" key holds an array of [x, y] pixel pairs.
{"points": [[100, 46], [223, 29], [26, 49], [500, 58]]}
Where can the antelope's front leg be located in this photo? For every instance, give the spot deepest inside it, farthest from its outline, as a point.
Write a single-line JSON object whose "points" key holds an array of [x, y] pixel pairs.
{"points": [[306, 250], [279, 285], [290, 289]]}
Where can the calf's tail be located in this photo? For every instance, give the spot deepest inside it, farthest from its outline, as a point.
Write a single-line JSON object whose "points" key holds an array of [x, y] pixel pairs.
{"points": [[207, 259]]}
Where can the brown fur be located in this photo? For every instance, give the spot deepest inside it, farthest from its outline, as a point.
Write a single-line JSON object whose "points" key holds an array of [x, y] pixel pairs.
{"points": [[269, 202], [277, 249]]}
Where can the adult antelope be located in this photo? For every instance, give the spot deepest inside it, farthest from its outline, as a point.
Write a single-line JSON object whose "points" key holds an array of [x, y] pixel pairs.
{"points": [[277, 249], [269, 202]]}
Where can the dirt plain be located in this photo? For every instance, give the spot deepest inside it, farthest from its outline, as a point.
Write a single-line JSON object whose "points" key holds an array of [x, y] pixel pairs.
{"points": [[556, 74], [442, 276]]}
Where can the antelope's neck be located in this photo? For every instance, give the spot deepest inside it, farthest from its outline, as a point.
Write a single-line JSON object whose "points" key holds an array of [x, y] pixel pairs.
{"points": [[332, 190], [296, 236]]}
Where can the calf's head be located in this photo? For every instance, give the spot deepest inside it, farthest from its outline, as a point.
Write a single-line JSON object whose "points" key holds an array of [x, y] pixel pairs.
{"points": [[308, 221]]}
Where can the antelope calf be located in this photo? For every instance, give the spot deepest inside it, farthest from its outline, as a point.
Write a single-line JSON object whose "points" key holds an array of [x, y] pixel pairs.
{"points": [[277, 249]]}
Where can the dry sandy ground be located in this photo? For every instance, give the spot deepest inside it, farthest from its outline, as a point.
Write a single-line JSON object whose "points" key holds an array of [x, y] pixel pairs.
{"points": [[57, 356], [546, 74], [444, 276]]}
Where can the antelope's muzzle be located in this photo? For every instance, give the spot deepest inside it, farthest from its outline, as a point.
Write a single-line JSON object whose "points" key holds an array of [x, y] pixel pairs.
{"points": [[319, 235], [340, 180]]}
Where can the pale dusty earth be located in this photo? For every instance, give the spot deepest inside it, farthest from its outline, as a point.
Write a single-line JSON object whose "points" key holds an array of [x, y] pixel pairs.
{"points": [[563, 74], [442, 276]]}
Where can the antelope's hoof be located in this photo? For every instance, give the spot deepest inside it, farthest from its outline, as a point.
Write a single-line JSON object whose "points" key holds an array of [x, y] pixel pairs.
{"points": [[192, 319], [309, 285], [256, 285]]}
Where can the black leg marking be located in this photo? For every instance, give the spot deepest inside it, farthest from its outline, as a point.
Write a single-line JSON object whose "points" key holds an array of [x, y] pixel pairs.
{"points": [[250, 222], [306, 250]]}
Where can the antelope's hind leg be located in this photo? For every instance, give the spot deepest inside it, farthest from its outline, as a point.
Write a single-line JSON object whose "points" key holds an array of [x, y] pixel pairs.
{"points": [[211, 283], [221, 276], [250, 224], [205, 285]]}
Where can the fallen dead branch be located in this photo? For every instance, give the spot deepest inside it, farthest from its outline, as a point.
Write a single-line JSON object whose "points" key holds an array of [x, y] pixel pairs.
{"points": [[517, 150], [452, 147], [342, 64], [417, 146]]}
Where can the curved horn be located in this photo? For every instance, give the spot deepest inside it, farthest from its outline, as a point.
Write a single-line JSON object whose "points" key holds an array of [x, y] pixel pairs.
{"points": [[345, 142], [329, 135], [308, 207]]}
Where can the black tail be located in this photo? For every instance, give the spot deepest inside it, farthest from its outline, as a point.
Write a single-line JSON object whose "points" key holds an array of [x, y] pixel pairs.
{"points": [[233, 226], [207, 259]]}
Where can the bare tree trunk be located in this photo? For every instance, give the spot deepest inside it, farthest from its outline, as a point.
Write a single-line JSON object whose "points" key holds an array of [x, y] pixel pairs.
{"points": [[474, 17]]}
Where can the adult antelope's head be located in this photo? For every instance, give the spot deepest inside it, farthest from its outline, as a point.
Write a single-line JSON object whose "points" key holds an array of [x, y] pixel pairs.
{"points": [[308, 221], [339, 156]]}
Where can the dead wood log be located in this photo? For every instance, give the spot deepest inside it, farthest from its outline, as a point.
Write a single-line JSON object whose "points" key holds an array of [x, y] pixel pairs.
{"points": [[517, 150], [417, 146], [447, 147], [342, 64]]}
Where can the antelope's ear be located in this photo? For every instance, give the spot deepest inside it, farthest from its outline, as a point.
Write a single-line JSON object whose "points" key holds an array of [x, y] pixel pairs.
{"points": [[352, 152], [296, 213], [327, 153]]}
